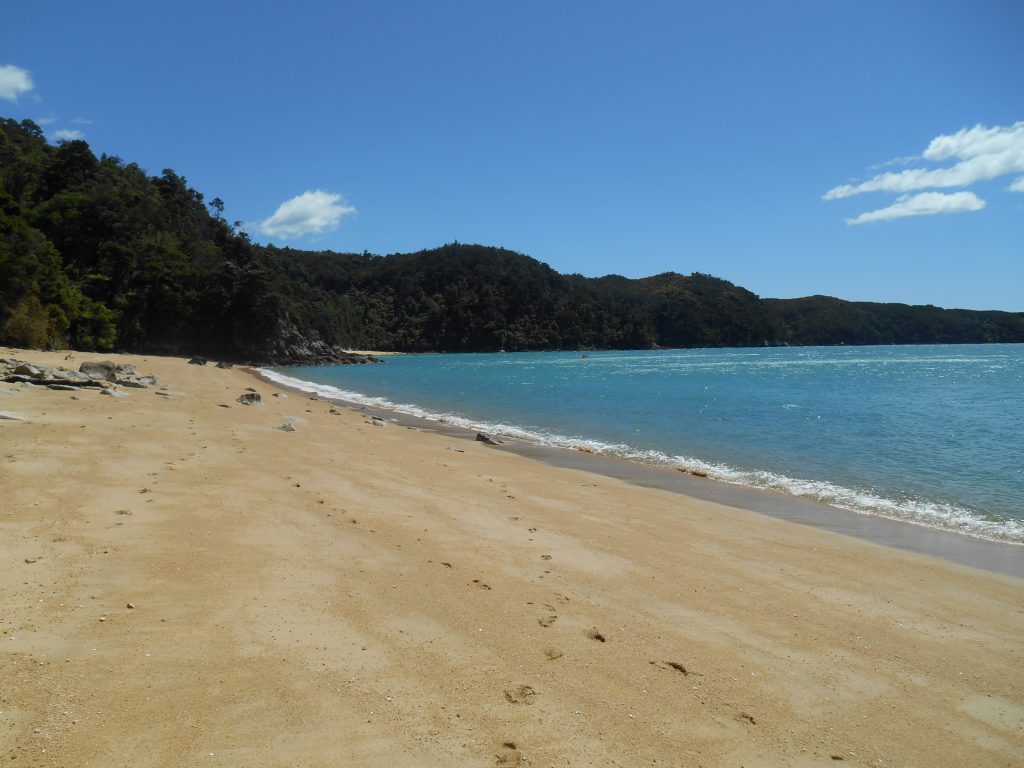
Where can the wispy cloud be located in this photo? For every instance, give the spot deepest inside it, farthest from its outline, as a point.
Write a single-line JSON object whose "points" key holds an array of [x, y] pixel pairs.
{"points": [[46, 120], [81, 121], [67, 134], [923, 204], [980, 154], [14, 81], [1017, 185], [311, 212]]}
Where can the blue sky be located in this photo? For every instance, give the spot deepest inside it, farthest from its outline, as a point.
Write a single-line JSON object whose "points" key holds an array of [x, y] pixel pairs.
{"points": [[737, 139]]}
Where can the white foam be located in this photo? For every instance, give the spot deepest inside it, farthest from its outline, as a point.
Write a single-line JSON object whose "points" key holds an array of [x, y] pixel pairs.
{"points": [[931, 514]]}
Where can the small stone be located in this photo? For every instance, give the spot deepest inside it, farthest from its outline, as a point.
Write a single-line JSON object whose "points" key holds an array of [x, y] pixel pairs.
{"points": [[131, 605]]}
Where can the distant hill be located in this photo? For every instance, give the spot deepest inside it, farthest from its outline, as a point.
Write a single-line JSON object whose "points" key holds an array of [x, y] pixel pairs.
{"points": [[97, 254]]}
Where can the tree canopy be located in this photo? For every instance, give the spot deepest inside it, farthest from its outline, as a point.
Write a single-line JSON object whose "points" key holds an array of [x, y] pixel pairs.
{"points": [[97, 254]]}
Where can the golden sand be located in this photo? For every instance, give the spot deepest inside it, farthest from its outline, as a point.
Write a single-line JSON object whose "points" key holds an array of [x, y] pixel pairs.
{"points": [[184, 584]]}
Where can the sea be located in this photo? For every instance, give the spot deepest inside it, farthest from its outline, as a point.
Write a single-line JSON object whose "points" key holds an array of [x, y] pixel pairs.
{"points": [[931, 435]]}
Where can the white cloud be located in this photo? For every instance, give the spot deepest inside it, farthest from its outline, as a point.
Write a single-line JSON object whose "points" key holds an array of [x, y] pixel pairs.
{"points": [[923, 204], [81, 121], [1017, 185], [46, 121], [14, 81], [314, 212], [66, 134], [983, 153]]}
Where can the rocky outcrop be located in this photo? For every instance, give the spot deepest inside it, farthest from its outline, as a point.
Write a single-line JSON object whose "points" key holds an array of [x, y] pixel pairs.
{"points": [[289, 346], [93, 373]]}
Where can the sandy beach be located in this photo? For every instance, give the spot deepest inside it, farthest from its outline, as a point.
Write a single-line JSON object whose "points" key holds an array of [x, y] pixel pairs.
{"points": [[187, 584]]}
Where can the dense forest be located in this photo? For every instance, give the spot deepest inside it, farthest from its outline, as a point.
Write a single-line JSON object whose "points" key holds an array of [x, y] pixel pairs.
{"points": [[97, 254]]}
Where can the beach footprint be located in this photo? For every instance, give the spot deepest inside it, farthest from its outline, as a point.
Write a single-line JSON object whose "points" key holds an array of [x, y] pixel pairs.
{"points": [[509, 755], [523, 694]]}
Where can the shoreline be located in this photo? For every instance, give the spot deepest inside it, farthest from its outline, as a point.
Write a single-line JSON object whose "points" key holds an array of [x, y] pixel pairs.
{"points": [[963, 548], [193, 581]]}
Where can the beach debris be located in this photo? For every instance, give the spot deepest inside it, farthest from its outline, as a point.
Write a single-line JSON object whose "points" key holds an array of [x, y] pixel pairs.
{"points": [[486, 439], [250, 398], [9, 416], [286, 427], [694, 472], [165, 392], [524, 694], [198, 361], [671, 665], [378, 422], [593, 634], [225, 365]]}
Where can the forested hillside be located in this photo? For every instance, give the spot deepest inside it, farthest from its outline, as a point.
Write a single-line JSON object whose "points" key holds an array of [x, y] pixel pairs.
{"points": [[97, 254]]}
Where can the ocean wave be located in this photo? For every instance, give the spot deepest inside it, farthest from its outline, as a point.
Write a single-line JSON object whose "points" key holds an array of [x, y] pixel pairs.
{"points": [[928, 513]]}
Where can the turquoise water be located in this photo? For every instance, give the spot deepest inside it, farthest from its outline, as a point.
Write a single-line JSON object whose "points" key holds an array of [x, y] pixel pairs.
{"points": [[928, 434]]}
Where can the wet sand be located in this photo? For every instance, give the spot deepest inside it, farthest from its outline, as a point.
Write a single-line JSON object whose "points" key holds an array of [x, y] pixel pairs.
{"points": [[353, 594]]}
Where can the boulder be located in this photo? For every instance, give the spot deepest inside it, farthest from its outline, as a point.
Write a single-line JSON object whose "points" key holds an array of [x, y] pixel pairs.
{"points": [[486, 439], [107, 370], [197, 361], [250, 398], [138, 382], [74, 377], [27, 369], [223, 364]]}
